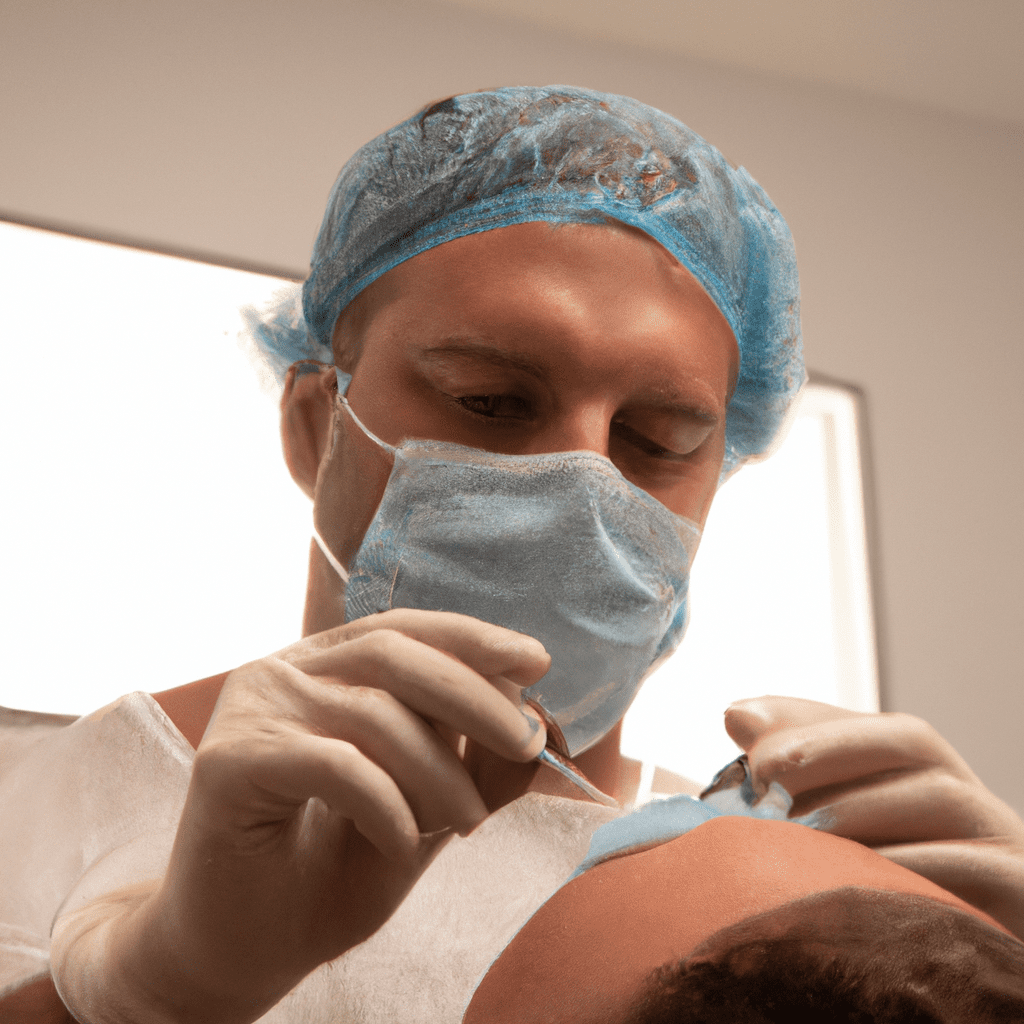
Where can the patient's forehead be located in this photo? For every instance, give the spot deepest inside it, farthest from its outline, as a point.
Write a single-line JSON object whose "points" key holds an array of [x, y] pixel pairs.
{"points": [[599, 936]]}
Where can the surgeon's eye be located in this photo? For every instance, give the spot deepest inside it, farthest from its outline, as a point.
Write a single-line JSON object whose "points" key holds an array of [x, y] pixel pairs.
{"points": [[495, 406], [645, 444]]}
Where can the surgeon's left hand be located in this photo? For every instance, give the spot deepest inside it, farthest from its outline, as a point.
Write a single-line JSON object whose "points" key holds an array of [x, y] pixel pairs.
{"points": [[891, 782]]}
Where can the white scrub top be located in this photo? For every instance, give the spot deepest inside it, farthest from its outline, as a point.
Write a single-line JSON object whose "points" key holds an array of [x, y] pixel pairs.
{"points": [[94, 804]]}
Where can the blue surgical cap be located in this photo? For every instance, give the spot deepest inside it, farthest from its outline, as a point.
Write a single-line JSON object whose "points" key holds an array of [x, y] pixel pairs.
{"points": [[564, 155]]}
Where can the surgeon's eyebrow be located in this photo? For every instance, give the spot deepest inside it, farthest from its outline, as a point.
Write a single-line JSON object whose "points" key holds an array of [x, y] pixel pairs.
{"points": [[485, 353], [667, 398]]}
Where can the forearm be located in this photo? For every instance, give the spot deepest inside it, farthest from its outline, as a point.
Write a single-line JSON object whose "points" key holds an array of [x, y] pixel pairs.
{"points": [[115, 961], [88, 963]]}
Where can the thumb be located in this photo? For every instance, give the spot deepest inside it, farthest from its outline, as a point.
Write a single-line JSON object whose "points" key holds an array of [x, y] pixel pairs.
{"points": [[750, 720]]}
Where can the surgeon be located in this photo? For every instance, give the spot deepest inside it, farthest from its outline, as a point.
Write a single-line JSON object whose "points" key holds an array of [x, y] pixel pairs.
{"points": [[541, 326]]}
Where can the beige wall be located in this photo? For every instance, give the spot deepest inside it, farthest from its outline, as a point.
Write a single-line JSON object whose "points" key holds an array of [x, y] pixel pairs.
{"points": [[219, 127]]}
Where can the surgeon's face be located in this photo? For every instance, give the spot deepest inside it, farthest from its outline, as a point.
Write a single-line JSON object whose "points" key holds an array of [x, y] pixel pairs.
{"points": [[531, 339]]}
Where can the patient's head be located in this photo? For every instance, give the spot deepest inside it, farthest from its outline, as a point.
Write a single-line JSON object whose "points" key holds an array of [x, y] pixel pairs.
{"points": [[749, 921], [850, 954]]}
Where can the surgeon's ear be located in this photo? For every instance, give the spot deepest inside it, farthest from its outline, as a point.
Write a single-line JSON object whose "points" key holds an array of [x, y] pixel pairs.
{"points": [[307, 412]]}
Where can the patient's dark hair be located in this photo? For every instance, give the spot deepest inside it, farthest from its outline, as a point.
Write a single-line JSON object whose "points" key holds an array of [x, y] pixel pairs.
{"points": [[853, 955]]}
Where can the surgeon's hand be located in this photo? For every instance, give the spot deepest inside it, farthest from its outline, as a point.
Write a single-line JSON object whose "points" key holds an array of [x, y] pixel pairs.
{"points": [[324, 784], [891, 782]]}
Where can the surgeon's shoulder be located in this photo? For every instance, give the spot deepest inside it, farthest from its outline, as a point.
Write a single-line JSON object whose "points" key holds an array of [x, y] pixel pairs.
{"points": [[190, 706]]}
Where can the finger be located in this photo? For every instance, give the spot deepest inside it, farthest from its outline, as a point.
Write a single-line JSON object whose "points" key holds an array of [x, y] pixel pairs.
{"points": [[430, 776], [487, 649], [833, 753], [751, 719], [304, 766], [436, 686], [911, 807]]}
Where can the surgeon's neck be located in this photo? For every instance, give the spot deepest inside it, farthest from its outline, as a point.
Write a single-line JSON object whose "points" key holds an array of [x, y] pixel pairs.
{"points": [[325, 595], [500, 781]]}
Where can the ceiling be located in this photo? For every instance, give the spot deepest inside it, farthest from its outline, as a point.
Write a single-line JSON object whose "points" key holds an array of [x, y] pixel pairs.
{"points": [[964, 56]]}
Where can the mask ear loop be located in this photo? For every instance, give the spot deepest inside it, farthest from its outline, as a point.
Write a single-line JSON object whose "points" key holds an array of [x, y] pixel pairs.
{"points": [[329, 555], [344, 379]]}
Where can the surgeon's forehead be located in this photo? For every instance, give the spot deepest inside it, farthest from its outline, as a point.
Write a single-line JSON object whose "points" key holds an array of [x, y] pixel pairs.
{"points": [[542, 234], [534, 247]]}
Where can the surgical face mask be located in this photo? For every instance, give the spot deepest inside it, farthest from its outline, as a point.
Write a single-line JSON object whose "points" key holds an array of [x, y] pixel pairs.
{"points": [[560, 547]]}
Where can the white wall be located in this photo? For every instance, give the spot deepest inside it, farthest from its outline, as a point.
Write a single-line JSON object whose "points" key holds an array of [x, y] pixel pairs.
{"points": [[219, 127]]}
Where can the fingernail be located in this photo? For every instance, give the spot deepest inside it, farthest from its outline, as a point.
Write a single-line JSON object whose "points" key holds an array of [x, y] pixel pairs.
{"points": [[536, 733]]}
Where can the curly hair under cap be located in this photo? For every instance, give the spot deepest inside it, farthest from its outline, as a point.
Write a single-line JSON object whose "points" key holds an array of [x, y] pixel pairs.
{"points": [[560, 154]]}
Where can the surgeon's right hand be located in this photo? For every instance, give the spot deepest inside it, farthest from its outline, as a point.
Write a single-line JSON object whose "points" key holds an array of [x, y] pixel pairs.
{"points": [[324, 784]]}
